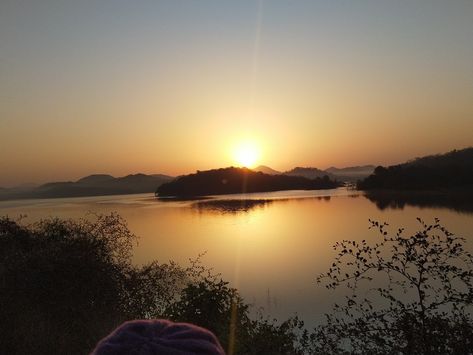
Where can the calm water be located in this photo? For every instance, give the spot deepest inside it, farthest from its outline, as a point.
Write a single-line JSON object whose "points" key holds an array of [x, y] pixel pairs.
{"points": [[269, 245]]}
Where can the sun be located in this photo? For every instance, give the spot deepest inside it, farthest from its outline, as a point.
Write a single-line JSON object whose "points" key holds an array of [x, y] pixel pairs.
{"points": [[247, 154]]}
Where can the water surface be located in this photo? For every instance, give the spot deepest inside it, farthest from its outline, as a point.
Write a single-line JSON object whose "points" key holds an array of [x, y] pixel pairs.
{"points": [[269, 245]]}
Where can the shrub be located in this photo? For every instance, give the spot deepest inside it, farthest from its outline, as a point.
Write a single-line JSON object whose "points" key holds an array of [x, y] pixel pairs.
{"points": [[421, 301], [65, 284]]}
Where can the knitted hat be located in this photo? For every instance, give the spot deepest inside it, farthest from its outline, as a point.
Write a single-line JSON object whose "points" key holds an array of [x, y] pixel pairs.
{"points": [[163, 337]]}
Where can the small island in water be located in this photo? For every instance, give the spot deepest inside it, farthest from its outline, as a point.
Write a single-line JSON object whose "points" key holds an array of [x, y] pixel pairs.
{"points": [[238, 180], [442, 180]]}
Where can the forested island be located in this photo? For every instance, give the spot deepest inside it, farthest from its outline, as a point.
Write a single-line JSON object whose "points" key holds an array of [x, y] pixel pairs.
{"points": [[453, 170], [238, 180], [443, 180]]}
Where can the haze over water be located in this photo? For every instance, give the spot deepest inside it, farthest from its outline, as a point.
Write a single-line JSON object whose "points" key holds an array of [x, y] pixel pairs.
{"points": [[272, 249]]}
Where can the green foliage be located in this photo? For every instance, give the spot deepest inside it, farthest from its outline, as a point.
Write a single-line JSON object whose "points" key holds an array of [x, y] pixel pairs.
{"points": [[419, 302], [66, 284], [212, 304], [268, 337]]}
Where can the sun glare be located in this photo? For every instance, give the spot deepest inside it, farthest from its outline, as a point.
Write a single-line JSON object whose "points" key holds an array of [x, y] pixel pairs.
{"points": [[247, 154]]}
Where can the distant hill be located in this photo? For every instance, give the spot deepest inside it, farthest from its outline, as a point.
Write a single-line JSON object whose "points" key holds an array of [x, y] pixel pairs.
{"points": [[352, 173], [92, 185], [95, 179], [266, 170], [237, 180], [161, 176], [443, 171], [309, 173]]}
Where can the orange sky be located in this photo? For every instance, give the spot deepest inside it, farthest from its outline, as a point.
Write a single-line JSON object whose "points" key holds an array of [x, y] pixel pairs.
{"points": [[172, 87]]}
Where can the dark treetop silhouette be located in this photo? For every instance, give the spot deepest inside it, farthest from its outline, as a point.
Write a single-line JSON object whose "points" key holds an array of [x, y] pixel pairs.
{"points": [[434, 181], [66, 284], [410, 294], [446, 171], [238, 180]]}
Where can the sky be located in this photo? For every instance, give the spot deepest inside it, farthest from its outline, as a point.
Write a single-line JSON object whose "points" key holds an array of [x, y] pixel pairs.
{"points": [[120, 87]]}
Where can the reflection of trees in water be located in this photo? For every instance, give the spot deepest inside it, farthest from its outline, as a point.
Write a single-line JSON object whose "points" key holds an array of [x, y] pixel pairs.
{"points": [[246, 205], [460, 201], [230, 206]]}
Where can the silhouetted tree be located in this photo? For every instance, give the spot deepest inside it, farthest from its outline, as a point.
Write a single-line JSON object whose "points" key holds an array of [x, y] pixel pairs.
{"points": [[419, 302], [65, 284], [212, 304]]}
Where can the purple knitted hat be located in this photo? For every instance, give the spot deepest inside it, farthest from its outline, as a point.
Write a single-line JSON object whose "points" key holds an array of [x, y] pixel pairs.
{"points": [[163, 337]]}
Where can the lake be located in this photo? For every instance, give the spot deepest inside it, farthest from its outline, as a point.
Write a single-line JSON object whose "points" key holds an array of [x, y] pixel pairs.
{"points": [[271, 246]]}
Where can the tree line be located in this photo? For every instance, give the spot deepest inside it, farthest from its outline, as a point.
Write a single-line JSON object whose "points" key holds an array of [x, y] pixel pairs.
{"points": [[65, 284], [238, 180]]}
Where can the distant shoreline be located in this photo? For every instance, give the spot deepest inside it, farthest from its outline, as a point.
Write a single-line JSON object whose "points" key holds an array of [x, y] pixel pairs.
{"points": [[89, 186]]}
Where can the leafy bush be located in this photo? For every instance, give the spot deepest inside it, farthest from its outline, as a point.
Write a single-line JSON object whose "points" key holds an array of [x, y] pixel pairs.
{"points": [[421, 302], [210, 303], [66, 284]]}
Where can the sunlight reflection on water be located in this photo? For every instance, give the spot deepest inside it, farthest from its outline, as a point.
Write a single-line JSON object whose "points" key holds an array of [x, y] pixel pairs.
{"points": [[270, 245]]}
